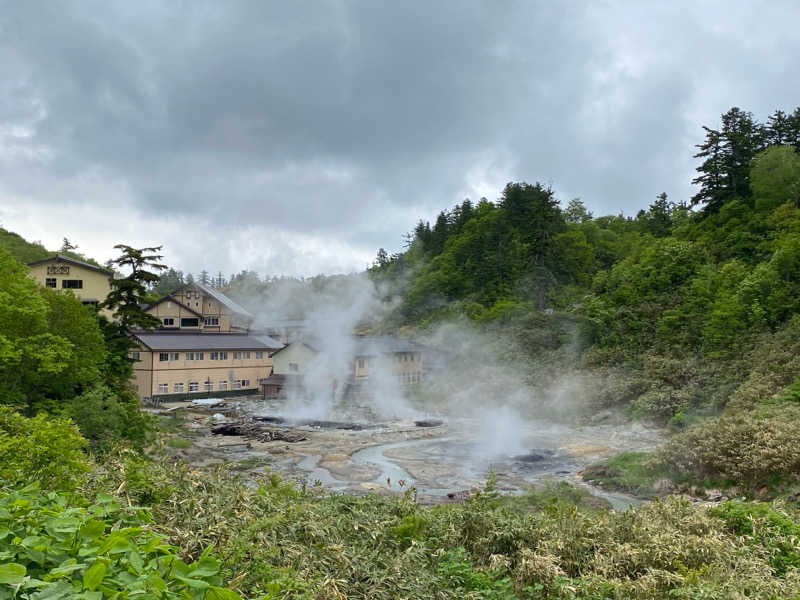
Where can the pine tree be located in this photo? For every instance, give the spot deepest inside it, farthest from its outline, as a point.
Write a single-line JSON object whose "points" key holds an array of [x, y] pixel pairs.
{"points": [[439, 234], [125, 297], [743, 139], [727, 153], [779, 129]]}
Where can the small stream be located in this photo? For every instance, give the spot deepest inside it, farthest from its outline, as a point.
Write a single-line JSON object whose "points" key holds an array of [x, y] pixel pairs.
{"points": [[394, 477]]}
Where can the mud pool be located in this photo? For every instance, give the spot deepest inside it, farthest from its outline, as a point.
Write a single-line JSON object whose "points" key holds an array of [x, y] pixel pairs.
{"points": [[442, 460]]}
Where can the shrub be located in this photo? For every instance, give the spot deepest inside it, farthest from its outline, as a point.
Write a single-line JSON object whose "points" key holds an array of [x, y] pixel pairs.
{"points": [[43, 449], [107, 418], [741, 447], [53, 549], [765, 526]]}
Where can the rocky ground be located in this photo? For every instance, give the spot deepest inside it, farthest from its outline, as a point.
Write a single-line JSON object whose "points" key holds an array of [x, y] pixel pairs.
{"points": [[443, 458]]}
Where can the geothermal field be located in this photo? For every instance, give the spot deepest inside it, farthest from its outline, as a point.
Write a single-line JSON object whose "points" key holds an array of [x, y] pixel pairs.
{"points": [[440, 457]]}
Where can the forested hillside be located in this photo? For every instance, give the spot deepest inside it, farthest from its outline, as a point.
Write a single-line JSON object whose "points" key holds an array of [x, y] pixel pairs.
{"points": [[679, 313], [695, 275], [26, 252]]}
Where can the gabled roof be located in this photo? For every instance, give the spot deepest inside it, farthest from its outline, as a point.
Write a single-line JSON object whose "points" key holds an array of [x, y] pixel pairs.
{"points": [[366, 345], [302, 342], [74, 261], [222, 299], [371, 345], [171, 297], [271, 342], [162, 340]]}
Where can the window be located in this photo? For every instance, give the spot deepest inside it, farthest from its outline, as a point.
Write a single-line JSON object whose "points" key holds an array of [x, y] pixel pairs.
{"points": [[259, 355], [207, 386], [223, 385], [50, 282], [293, 367], [190, 322], [163, 388], [72, 284], [193, 386], [162, 356], [194, 356], [241, 355], [235, 384], [244, 383], [362, 363], [177, 388], [174, 355], [169, 322], [134, 356], [219, 356], [212, 321]]}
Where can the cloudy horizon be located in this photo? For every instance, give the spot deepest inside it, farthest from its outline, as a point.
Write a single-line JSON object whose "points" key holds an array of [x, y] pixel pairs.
{"points": [[298, 138]]}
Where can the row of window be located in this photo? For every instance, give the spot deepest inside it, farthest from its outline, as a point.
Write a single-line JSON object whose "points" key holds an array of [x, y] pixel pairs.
{"points": [[208, 386], [406, 357], [221, 355], [190, 321], [409, 377], [67, 284]]}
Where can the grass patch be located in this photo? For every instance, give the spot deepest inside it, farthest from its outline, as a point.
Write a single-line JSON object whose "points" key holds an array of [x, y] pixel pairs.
{"points": [[626, 472], [174, 423], [246, 464], [560, 493], [179, 442]]}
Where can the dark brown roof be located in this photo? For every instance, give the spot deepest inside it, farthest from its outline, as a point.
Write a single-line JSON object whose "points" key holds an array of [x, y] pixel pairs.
{"points": [[158, 340], [74, 261]]}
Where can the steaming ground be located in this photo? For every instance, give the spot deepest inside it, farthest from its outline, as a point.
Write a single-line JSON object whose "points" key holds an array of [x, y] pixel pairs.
{"points": [[501, 411], [441, 461]]}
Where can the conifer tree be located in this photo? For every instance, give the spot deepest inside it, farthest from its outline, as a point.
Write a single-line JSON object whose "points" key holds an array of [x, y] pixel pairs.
{"points": [[125, 298]]}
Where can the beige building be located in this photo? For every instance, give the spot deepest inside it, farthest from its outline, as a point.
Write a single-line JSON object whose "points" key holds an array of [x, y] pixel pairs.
{"points": [[90, 283], [202, 348], [182, 365], [201, 309], [371, 356]]}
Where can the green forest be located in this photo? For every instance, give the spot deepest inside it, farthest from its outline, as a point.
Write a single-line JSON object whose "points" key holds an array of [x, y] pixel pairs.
{"points": [[686, 315]]}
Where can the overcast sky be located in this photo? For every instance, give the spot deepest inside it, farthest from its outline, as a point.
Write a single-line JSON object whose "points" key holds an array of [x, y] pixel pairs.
{"points": [[298, 137]]}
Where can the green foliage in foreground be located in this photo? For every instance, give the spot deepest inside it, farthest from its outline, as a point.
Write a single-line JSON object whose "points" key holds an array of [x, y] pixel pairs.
{"points": [[49, 451], [51, 547], [281, 542]]}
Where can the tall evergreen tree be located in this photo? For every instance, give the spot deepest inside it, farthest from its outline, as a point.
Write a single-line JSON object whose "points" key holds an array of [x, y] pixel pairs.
{"points": [[125, 297], [779, 129], [726, 154], [439, 234]]}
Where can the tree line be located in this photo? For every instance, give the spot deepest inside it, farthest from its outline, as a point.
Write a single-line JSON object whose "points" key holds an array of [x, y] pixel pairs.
{"points": [[697, 274]]}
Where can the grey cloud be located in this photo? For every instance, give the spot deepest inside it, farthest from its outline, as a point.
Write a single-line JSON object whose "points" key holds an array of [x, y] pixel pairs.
{"points": [[349, 120]]}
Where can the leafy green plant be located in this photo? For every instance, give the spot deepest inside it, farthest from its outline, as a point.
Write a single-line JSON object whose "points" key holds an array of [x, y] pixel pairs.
{"points": [[41, 449], [56, 546], [764, 526]]}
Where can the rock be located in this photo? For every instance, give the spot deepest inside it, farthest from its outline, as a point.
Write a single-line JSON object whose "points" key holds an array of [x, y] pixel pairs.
{"points": [[600, 417], [428, 423], [664, 485]]}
